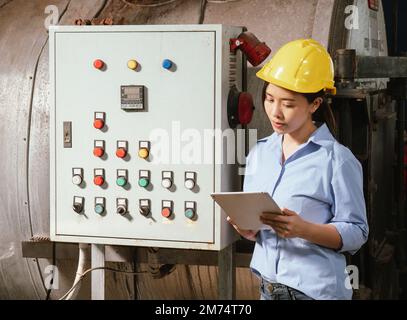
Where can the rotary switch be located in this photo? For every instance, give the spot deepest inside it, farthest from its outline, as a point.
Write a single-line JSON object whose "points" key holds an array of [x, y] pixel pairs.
{"points": [[77, 204]]}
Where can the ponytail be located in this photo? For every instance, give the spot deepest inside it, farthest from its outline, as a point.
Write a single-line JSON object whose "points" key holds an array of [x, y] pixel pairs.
{"points": [[324, 112]]}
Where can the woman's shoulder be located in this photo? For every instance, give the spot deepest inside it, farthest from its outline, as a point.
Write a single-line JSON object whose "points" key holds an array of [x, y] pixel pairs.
{"points": [[342, 154], [260, 143]]}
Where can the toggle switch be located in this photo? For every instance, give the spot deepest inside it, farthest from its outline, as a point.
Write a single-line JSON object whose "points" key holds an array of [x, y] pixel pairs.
{"points": [[121, 179], [144, 178], [190, 209], [121, 150], [144, 149], [166, 208], [99, 148], [167, 179], [77, 205], [77, 176], [190, 180], [100, 205], [99, 177], [67, 126], [98, 64], [99, 120], [121, 206], [132, 64], [144, 207]]}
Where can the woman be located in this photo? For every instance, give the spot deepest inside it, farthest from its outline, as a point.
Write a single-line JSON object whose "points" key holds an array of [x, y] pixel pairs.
{"points": [[317, 182]]}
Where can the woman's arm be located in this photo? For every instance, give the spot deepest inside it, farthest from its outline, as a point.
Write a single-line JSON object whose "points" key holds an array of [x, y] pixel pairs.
{"points": [[322, 234], [291, 225]]}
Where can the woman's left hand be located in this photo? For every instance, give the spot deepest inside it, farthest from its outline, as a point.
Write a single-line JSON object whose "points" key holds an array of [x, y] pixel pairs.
{"points": [[288, 225]]}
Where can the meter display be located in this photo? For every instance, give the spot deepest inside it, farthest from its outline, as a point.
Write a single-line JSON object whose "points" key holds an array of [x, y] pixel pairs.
{"points": [[132, 97]]}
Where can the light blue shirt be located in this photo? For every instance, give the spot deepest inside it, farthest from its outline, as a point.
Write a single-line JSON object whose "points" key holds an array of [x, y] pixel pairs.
{"points": [[322, 182]]}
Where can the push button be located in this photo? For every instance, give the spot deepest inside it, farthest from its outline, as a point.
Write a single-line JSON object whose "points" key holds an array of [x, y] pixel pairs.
{"points": [[99, 208], [99, 148], [98, 152], [166, 208], [144, 178], [167, 179], [166, 212], [99, 177], [144, 149], [121, 179], [77, 176], [190, 209], [167, 64], [99, 180], [99, 205], [190, 180], [99, 120], [121, 151], [98, 64], [132, 64]]}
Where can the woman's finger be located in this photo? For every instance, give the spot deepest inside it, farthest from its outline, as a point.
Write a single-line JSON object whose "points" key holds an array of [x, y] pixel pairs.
{"points": [[273, 221], [274, 217]]}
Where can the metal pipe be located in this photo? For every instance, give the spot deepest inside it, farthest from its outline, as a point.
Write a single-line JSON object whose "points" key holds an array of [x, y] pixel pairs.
{"points": [[345, 65]]}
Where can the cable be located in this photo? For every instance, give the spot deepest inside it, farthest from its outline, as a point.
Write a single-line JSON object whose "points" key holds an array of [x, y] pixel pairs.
{"points": [[202, 11], [81, 276], [83, 254], [148, 5]]}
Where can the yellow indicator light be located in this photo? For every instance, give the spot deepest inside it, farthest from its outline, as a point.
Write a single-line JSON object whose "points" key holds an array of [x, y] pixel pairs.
{"points": [[143, 153], [132, 64]]}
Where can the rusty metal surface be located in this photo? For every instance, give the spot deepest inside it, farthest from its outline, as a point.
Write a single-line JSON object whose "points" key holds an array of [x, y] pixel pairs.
{"points": [[24, 109], [19, 278], [24, 206]]}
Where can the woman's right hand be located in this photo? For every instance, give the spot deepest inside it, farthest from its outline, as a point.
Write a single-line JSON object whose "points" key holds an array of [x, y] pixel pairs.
{"points": [[248, 234]]}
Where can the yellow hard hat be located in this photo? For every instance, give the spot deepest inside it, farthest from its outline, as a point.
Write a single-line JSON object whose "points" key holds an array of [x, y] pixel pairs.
{"points": [[302, 65]]}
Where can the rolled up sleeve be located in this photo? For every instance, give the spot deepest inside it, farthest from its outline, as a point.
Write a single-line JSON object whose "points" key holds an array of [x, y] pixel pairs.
{"points": [[349, 209]]}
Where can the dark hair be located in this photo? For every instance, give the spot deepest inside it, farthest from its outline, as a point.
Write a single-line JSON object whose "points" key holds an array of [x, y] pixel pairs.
{"points": [[324, 112]]}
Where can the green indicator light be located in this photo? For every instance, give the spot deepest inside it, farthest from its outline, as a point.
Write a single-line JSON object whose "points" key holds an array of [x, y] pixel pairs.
{"points": [[143, 182], [121, 181], [99, 209], [189, 213]]}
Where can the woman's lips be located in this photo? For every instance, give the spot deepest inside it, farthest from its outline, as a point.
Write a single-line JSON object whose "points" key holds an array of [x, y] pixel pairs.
{"points": [[278, 125]]}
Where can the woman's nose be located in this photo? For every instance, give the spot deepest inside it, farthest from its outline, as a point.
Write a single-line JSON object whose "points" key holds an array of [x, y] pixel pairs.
{"points": [[276, 111]]}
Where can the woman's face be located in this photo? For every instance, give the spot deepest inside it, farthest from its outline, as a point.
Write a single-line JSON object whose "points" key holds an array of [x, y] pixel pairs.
{"points": [[287, 110]]}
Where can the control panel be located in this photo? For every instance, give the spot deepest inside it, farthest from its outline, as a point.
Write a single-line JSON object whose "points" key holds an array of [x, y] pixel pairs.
{"points": [[137, 145]]}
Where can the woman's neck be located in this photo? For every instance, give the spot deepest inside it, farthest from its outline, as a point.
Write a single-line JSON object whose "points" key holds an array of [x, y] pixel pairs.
{"points": [[301, 135]]}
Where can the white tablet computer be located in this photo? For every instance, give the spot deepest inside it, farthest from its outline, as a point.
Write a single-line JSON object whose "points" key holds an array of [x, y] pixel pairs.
{"points": [[245, 208]]}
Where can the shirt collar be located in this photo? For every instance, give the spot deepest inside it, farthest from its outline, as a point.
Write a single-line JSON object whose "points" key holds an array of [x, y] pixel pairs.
{"points": [[322, 136]]}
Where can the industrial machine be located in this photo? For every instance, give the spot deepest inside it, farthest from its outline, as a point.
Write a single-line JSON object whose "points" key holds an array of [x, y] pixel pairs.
{"points": [[100, 102]]}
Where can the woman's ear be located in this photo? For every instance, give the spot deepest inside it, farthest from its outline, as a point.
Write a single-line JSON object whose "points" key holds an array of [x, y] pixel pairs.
{"points": [[316, 104]]}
